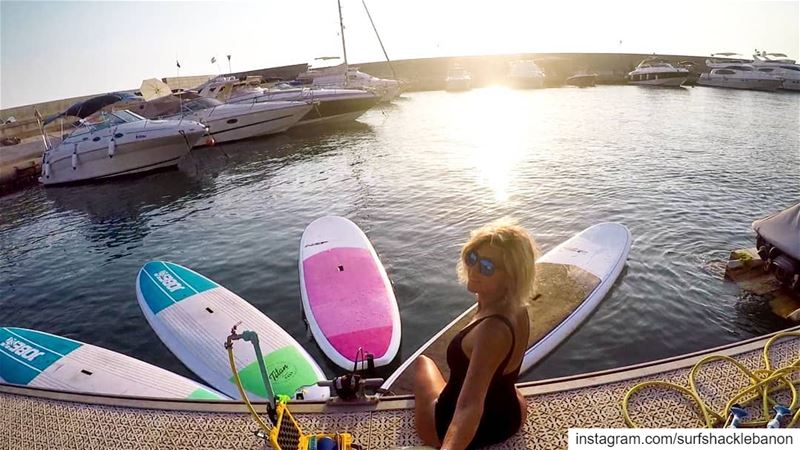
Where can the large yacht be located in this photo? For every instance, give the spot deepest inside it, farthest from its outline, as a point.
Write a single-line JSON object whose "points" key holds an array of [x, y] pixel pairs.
{"points": [[107, 144], [458, 79], [774, 57], [723, 59], [525, 74], [740, 76], [780, 66], [228, 121], [658, 72], [331, 105]]}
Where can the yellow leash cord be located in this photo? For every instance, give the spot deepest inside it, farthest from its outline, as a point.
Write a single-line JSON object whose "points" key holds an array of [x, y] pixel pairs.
{"points": [[761, 380], [261, 424]]}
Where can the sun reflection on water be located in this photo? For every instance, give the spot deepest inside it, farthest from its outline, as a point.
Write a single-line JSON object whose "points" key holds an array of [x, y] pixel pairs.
{"points": [[495, 125]]}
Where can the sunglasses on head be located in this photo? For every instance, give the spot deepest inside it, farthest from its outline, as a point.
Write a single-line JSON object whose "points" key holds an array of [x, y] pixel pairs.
{"points": [[486, 265]]}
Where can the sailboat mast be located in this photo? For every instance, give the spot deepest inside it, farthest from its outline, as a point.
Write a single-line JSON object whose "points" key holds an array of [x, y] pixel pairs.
{"points": [[394, 74], [341, 26]]}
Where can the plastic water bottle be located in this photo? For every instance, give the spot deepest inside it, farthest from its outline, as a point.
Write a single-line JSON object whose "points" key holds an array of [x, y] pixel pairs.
{"points": [[326, 443], [738, 414], [780, 412]]}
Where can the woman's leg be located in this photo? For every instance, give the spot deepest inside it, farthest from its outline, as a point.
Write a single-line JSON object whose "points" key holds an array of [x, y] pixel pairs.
{"points": [[428, 383]]}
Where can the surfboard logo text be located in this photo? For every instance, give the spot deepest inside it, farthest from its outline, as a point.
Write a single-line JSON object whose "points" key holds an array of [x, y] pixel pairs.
{"points": [[284, 371], [170, 283], [22, 349]]}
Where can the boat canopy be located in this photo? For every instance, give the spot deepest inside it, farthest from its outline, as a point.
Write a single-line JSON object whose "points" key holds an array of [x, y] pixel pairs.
{"points": [[782, 230], [86, 108]]}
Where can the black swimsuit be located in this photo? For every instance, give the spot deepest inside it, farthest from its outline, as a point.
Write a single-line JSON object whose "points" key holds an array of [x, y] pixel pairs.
{"points": [[501, 412]]}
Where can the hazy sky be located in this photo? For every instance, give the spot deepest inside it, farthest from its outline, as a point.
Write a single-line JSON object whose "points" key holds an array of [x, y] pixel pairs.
{"points": [[52, 50]]}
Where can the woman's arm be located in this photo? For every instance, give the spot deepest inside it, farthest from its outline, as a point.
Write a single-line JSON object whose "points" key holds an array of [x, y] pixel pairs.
{"points": [[492, 342]]}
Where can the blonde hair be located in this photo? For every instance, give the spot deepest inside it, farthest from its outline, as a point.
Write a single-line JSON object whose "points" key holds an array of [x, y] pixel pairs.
{"points": [[519, 254]]}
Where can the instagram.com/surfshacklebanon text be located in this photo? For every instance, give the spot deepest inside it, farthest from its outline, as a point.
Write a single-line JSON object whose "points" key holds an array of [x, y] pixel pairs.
{"points": [[683, 439]]}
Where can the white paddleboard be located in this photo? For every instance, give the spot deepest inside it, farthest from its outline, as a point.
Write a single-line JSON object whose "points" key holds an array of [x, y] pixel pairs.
{"points": [[571, 280], [43, 360], [193, 316], [347, 297]]}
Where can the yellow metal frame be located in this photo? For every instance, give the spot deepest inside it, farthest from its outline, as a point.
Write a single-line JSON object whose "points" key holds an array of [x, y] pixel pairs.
{"points": [[343, 440]]}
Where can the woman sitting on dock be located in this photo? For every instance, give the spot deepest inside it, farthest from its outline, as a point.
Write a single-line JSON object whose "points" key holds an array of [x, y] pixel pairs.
{"points": [[480, 404]]}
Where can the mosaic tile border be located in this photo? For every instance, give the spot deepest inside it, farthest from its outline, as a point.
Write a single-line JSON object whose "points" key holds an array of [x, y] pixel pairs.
{"points": [[39, 419]]}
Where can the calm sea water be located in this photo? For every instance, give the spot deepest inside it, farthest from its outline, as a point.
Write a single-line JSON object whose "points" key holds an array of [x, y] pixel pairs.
{"points": [[687, 170]]}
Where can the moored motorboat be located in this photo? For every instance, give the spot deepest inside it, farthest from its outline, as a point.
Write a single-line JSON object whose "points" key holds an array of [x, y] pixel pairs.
{"points": [[458, 79], [741, 76], [657, 72], [525, 74], [329, 105], [108, 144], [780, 66], [582, 79], [229, 121], [344, 76], [778, 244]]}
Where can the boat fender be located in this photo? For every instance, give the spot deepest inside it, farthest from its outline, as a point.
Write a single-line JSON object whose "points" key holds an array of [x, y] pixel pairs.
{"points": [[46, 170], [112, 147], [780, 412], [74, 161]]}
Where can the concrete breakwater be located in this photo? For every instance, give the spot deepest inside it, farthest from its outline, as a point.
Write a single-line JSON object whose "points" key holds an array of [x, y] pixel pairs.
{"points": [[430, 73], [21, 164]]}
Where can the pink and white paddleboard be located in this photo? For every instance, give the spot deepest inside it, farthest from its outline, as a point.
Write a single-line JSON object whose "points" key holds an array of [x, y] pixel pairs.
{"points": [[347, 297]]}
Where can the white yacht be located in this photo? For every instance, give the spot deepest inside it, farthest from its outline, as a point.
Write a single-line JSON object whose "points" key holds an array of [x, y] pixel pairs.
{"points": [[719, 60], [329, 105], [108, 144], [344, 76], [740, 76], [780, 66], [657, 72], [525, 74], [228, 121], [582, 79], [458, 79], [774, 57]]}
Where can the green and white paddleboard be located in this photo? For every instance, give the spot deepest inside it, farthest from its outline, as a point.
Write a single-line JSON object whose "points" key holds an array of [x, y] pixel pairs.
{"points": [[193, 316], [38, 359]]}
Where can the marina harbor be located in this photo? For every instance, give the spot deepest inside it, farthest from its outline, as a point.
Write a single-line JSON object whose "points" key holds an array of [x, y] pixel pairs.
{"points": [[361, 225]]}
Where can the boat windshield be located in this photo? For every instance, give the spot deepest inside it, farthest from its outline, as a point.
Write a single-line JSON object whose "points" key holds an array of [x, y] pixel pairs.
{"points": [[200, 104], [111, 119], [125, 116], [653, 63]]}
